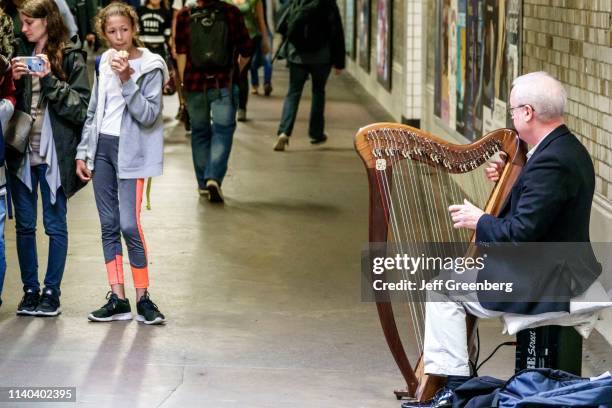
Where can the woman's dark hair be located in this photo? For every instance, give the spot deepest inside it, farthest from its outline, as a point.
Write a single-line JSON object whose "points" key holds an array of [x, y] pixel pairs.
{"points": [[57, 32], [9, 7]]}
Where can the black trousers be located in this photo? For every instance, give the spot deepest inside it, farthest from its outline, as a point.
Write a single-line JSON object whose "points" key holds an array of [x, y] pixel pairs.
{"points": [[298, 74]]}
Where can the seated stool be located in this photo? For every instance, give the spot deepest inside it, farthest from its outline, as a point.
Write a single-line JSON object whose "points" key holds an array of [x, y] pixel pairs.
{"points": [[555, 347]]}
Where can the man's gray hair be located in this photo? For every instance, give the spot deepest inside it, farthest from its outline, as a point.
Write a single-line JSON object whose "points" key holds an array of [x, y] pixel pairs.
{"points": [[544, 93]]}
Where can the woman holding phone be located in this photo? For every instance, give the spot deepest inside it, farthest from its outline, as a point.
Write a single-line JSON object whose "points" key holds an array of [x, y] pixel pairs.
{"points": [[55, 92]]}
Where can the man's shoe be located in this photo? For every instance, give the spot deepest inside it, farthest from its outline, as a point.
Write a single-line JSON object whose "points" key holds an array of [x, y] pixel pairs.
{"points": [[29, 303], [148, 313], [49, 304], [255, 90], [281, 142], [267, 89], [318, 140], [203, 192], [114, 309], [241, 116], [442, 399], [215, 195]]}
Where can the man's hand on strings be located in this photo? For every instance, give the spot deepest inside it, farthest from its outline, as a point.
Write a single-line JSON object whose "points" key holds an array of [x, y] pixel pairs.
{"points": [[495, 167], [465, 215]]}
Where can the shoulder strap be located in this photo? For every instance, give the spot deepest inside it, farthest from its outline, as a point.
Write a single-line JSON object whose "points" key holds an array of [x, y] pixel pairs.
{"points": [[149, 181], [97, 65]]}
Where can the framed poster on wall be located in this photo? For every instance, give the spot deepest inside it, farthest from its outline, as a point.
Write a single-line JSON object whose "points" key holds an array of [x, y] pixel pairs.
{"points": [[363, 33], [349, 28], [477, 58], [384, 38]]}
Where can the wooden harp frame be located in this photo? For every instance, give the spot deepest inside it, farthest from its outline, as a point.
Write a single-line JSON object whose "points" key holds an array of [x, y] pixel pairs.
{"points": [[433, 151]]}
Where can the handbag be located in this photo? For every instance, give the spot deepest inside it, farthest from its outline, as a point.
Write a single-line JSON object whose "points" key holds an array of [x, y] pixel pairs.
{"points": [[17, 134], [18, 129]]}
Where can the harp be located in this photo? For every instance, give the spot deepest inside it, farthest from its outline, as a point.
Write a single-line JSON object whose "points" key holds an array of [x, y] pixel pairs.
{"points": [[413, 176]]}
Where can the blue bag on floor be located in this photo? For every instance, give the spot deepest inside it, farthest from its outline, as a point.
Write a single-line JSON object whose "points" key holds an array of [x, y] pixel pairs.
{"points": [[545, 387], [477, 392]]}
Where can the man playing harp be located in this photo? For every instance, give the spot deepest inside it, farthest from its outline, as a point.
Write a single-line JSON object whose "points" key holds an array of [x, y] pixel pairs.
{"points": [[550, 202]]}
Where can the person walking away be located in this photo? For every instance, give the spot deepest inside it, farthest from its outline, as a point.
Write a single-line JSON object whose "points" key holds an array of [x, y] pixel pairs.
{"points": [[313, 44], [254, 18], [210, 60], [261, 59]]}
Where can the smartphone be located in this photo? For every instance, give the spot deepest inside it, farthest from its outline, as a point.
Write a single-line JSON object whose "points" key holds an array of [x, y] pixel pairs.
{"points": [[34, 64]]}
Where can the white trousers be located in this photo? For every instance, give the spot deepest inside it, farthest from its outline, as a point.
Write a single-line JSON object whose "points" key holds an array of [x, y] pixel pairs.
{"points": [[446, 349]]}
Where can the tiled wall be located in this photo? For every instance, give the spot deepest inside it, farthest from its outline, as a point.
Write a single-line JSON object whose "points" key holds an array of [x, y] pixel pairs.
{"points": [[413, 61], [572, 39]]}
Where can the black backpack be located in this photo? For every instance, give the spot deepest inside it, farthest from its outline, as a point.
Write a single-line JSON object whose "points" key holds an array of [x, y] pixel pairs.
{"points": [[305, 24], [209, 46]]}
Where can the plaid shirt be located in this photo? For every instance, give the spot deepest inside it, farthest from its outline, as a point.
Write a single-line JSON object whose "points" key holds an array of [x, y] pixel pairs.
{"points": [[196, 80]]}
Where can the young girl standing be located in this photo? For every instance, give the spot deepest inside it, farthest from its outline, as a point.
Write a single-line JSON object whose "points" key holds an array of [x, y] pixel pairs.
{"points": [[122, 144]]}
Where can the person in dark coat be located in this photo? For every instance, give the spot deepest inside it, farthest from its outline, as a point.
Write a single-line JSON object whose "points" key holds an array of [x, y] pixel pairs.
{"points": [[315, 61]]}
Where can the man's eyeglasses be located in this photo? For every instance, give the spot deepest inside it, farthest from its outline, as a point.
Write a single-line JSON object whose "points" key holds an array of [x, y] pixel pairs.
{"points": [[512, 108]]}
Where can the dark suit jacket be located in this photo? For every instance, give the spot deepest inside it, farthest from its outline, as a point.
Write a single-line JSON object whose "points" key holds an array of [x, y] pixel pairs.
{"points": [[550, 202]]}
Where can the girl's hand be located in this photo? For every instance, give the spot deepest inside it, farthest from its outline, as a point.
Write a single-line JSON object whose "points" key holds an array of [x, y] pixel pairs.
{"points": [[121, 67], [46, 66], [82, 171], [18, 68]]}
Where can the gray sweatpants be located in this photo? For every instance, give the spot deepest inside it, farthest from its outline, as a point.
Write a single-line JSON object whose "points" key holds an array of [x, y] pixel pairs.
{"points": [[119, 202]]}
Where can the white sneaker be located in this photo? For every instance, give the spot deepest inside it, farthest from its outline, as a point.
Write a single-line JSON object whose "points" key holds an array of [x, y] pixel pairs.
{"points": [[281, 142], [214, 191]]}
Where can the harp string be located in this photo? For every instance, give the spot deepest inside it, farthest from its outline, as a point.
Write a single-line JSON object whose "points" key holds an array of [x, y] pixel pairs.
{"points": [[416, 195]]}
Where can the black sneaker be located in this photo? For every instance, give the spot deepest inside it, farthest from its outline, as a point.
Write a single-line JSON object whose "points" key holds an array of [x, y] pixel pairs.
{"points": [[215, 195], [114, 309], [148, 313], [49, 304], [29, 303], [318, 140]]}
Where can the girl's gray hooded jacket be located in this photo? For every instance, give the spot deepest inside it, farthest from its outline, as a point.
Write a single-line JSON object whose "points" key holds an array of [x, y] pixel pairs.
{"points": [[141, 144]]}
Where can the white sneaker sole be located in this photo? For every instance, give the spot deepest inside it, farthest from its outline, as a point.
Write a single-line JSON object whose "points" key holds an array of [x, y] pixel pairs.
{"points": [[49, 314], [117, 317], [25, 313], [141, 319]]}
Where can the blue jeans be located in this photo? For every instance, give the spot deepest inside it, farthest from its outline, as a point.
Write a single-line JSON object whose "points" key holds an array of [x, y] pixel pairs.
{"points": [[2, 256], [213, 122], [260, 59], [54, 221], [298, 74]]}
